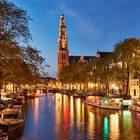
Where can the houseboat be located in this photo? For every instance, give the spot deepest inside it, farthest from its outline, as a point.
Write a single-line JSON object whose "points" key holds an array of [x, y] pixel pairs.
{"points": [[135, 105], [102, 102]]}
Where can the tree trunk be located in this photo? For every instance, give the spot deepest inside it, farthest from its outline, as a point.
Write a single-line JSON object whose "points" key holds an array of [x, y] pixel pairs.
{"points": [[107, 85], [127, 84], [84, 86], [13, 87], [5, 88], [106, 88], [0, 89]]}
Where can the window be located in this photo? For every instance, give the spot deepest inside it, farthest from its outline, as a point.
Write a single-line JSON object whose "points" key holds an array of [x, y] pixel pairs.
{"points": [[63, 56], [134, 92]]}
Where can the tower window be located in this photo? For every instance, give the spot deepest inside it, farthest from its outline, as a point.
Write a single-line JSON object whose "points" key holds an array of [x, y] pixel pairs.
{"points": [[134, 92], [63, 56]]}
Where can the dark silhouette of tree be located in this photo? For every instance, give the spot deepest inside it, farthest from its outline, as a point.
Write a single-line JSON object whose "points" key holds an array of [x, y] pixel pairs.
{"points": [[127, 60], [13, 23], [19, 62], [73, 73]]}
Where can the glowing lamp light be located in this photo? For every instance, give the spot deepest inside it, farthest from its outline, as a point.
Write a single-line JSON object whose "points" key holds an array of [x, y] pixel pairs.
{"points": [[105, 101]]}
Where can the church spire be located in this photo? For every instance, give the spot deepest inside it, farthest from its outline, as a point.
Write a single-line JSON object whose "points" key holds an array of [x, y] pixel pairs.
{"points": [[62, 20], [63, 53], [62, 33]]}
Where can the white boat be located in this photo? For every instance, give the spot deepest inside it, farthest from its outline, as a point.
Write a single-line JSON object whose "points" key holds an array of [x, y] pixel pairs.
{"points": [[135, 105], [12, 121], [105, 103]]}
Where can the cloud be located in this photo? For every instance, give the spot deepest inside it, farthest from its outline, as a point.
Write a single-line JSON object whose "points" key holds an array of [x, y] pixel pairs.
{"points": [[85, 26]]}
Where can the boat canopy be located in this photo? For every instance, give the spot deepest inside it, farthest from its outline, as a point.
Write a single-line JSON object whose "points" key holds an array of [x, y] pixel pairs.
{"points": [[10, 111]]}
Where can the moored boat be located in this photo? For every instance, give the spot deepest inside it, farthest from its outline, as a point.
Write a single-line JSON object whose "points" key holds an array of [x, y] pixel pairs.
{"points": [[135, 105], [12, 121], [33, 95], [105, 103], [22, 98]]}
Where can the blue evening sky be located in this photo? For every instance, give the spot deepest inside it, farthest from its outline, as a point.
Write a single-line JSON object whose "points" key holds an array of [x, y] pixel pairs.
{"points": [[91, 25]]}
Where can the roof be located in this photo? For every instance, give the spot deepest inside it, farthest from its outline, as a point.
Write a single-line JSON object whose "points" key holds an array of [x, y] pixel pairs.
{"points": [[103, 54], [83, 59]]}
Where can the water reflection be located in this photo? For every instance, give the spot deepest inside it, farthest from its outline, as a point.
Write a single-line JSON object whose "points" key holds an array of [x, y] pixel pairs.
{"points": [[91, 124], [127, 121], [35, 110], [114, 126], [62, 114], [72, 111], [78, 112], [61, 117], [106, 128]]}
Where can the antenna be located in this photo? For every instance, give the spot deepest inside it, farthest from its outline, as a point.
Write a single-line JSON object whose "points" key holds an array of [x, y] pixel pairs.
{"points": [[62, 12]]}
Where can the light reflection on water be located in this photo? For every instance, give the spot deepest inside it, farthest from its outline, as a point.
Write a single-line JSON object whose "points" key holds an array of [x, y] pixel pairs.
{"points": [[105, 128], [36, 111], [114, 126], [60, 117]]}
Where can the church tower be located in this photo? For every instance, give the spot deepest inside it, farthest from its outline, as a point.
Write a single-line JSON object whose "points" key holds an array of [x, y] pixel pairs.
{"points": [[63, 52]]}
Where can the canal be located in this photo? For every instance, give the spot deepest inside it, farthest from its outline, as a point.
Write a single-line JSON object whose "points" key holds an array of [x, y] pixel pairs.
{"points": [[60, 117]]}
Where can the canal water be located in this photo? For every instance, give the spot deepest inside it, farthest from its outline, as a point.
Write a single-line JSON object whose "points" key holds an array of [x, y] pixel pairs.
{"points": [[62, 117]]}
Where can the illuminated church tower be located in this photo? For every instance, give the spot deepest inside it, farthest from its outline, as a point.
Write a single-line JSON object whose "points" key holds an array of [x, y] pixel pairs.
{"points": [[63, 52]]}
